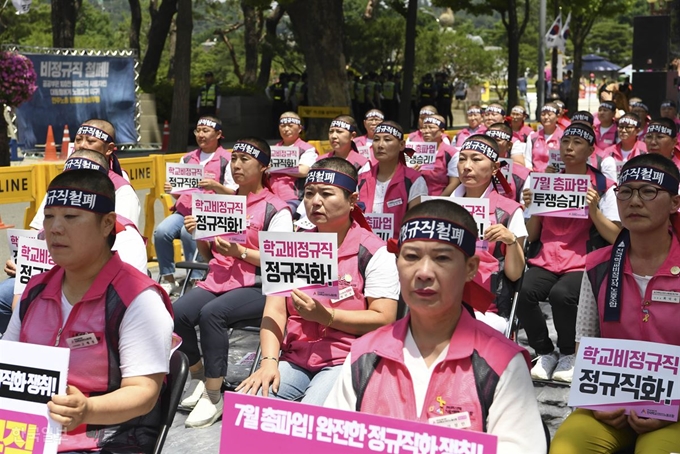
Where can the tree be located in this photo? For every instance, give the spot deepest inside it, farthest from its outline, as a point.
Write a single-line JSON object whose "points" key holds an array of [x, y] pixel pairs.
{"points": [[269, 45], [64, 13], [409, 62], [611, 40], [180, 101], [161, 19], [135, 25]]}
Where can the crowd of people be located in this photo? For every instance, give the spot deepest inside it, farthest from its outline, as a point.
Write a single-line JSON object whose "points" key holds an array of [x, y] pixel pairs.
{"points": [[361, 352]]}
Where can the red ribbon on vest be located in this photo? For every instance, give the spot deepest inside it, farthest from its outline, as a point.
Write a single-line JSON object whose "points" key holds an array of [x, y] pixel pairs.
{"points": [[503, 182]]}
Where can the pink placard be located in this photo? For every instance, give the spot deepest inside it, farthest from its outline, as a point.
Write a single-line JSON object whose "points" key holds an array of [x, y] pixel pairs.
{"points": [[22, 432], [260, 424]]}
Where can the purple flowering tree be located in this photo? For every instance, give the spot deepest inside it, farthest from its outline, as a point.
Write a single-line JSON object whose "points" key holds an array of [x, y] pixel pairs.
{"points": [[17, 85]]}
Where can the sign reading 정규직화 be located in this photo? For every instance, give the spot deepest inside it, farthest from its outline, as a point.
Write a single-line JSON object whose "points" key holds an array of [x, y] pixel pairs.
{"points": [[635, 375], [425, 155], [382, 224], [220, 215], [29, 375], [305, 261], [33, 258], [285, 160], [183, 178], [13, 236], [559, 195]]}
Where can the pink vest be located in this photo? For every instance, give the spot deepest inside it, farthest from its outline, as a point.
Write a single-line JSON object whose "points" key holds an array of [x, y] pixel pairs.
{"points": [[360, 141], [518, 178], [93, 369], [416, 136], [608, 139], [117, 180], [285, 186], [228, 273], [615, 151], [438, 178], [662, 324], [565, 241], [563, 122], [523, 133], [540, 148], [217, 165], [465, 380], [305, 344], [356, 159], [467, 132]]}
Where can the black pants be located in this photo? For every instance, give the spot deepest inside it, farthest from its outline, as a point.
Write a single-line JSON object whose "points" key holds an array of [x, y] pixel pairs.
{"points": [[562, 291], [214, 314]]}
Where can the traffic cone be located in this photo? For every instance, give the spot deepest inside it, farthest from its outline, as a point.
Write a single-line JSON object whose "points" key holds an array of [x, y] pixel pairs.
{"points": [[166, 136], [4, 226], [50, 148], [66, 139]]}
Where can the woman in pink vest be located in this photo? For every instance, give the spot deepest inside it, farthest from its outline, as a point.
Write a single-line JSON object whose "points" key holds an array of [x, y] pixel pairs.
{"points": [[443, 179], [642, 111], [520, 130], [304, 364], [536, 153], [439, 361], [372, 119], [661, 138], [341, 136], [606, 131], [628, 146], [556, 270], [502, 134], [390, 186], [475, 126], [494, 113], [285, 185], [643, 261], [232, 291], [116, 322]]}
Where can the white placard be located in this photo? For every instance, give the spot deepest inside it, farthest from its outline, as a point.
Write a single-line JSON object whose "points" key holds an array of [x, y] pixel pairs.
{"points": [[559, 195], [219, 215], [366, 151], [555, 160], [13, 236], [635, 375], [382, 224], [284, 160], [306, 261], [425, 155], [506, 169], [29, 375], [183, 178], [33, 258]]}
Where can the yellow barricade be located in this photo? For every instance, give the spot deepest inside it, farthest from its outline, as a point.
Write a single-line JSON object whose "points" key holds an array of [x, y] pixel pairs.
{"points": [[23, 184]]}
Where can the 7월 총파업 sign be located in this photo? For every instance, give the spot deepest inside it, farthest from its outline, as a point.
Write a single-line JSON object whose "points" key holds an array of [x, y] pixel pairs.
{"points": [[559, 195], [425, 155]]}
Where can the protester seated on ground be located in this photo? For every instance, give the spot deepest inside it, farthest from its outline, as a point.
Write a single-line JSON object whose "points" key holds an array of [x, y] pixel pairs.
{"points": [[341, 136], [285, 185], [520, 130], [494, 113], [502, 251], [649, 249], [319, 332], [661, 138], [390, 186], [557, 258], [475, 125], [99, 135], [372, 119], [425, 365], [113, 386], [534, 154], [502, 134], [216, 179], [232, 291]]}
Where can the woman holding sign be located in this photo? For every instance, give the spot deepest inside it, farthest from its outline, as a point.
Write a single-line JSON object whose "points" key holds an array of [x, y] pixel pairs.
{"points": [[116, 322], [319, 332], [232, 291], [341, 136], [438, 364], [556, 268], [214, 160], [643, 261]]}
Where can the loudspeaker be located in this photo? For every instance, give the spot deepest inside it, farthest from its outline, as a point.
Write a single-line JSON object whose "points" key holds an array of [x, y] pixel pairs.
{"points": [[651, 42], [653, 88]]}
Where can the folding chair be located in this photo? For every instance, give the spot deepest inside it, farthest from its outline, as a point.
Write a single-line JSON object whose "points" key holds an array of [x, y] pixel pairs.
{"points": [[189, 266], [170, 396]]}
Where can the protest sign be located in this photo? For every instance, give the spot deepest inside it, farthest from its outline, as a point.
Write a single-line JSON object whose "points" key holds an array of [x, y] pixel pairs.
{"points": [[425, 155], [284, 160], [479, 209], [33, 258], [13, 236], [366, 151], [382, 224], [555, 160], [506, 169], [183, 178], [559, 195], [219, 215]]}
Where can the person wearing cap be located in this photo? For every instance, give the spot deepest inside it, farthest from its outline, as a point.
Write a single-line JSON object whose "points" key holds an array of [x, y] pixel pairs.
{"points": [[285, 185], [628, 146], [215, 161], [534, 154], [642, 261], [669, 109], [209, 98], [494, 113], [372, 119], [232, 291], [443, 179], [475, 126], [341, 134], [304, 363], [390, 186], [520, 131], [502, 134], [661, 138], [557, 258], [113, 383], [606, 131], [438, 360], [501, 245], [642, 111]]}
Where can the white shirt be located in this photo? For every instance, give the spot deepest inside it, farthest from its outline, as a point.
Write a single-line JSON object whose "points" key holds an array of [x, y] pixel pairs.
{"points": [[516, 223], [131, 248], [452, 166], [382, 278], [145, 334], [418, 189]]}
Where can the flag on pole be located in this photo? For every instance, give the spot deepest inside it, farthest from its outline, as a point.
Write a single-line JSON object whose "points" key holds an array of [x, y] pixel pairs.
{"points": [[553, 35], [22, 6], [564, 33]]}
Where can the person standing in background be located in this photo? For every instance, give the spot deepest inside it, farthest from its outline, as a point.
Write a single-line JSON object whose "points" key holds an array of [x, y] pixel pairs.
{"points": [[209, 99]]}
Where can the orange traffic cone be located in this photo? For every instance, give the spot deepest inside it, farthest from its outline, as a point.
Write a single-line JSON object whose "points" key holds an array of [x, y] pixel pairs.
{"points": [[66, 139], [4, 226], [166, 136], [50, 148]]}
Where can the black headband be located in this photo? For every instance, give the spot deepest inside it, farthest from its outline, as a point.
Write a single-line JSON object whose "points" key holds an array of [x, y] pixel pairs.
{"points": [[434, 121], [652, 175], [498, 134], [661, 129], [333, 178], [343, 125], [252, 150], [495, 109], [482, 147], [577, 130], [79, 198], [88, 130], [388, 129], [80, 163], [289, 121], [210, 123], [434, 229]]}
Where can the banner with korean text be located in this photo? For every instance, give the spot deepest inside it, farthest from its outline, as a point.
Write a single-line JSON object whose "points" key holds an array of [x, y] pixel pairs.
{"points": [[635, 375], [260, 424], [220, 215], [425, 155], [305, 261], [559, 195], [382, 224], [29, 375], [33, 258], [183, 178], [13, 236]]}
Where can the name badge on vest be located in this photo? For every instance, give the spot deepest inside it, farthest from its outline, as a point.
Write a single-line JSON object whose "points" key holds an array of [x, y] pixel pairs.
{"points": [[346, 292], [608, 141], [394, 203], [81, 341], [662, 296], [454, 421]]}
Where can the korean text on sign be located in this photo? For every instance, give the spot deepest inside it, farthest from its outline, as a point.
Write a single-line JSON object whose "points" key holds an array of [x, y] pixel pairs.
{"points": [[183, 177], [257, 424], [425, 155], [304, 261], [284, 160], [13, 236], [634, 375], [33, 258], [382, 224], [559, 195], [479, 209], [220, 215]]}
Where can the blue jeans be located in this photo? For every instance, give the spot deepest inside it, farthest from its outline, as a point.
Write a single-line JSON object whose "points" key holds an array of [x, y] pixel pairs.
{"points": [[6, 297], [299, 384], [172, 228]]}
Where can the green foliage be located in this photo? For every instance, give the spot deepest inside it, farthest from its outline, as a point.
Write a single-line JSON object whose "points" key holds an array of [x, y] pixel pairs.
{"points": [[611, 40], [31, 29]]}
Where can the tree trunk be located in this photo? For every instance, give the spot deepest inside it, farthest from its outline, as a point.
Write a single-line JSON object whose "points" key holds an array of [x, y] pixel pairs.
{"points": [[513, 53], [409, 64], [161, 19], [318, 30], [579, 28], [271, 23], [172, 47], [251, 40], [64, 14], [180, 100], [4, 140], [135, 25]]}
